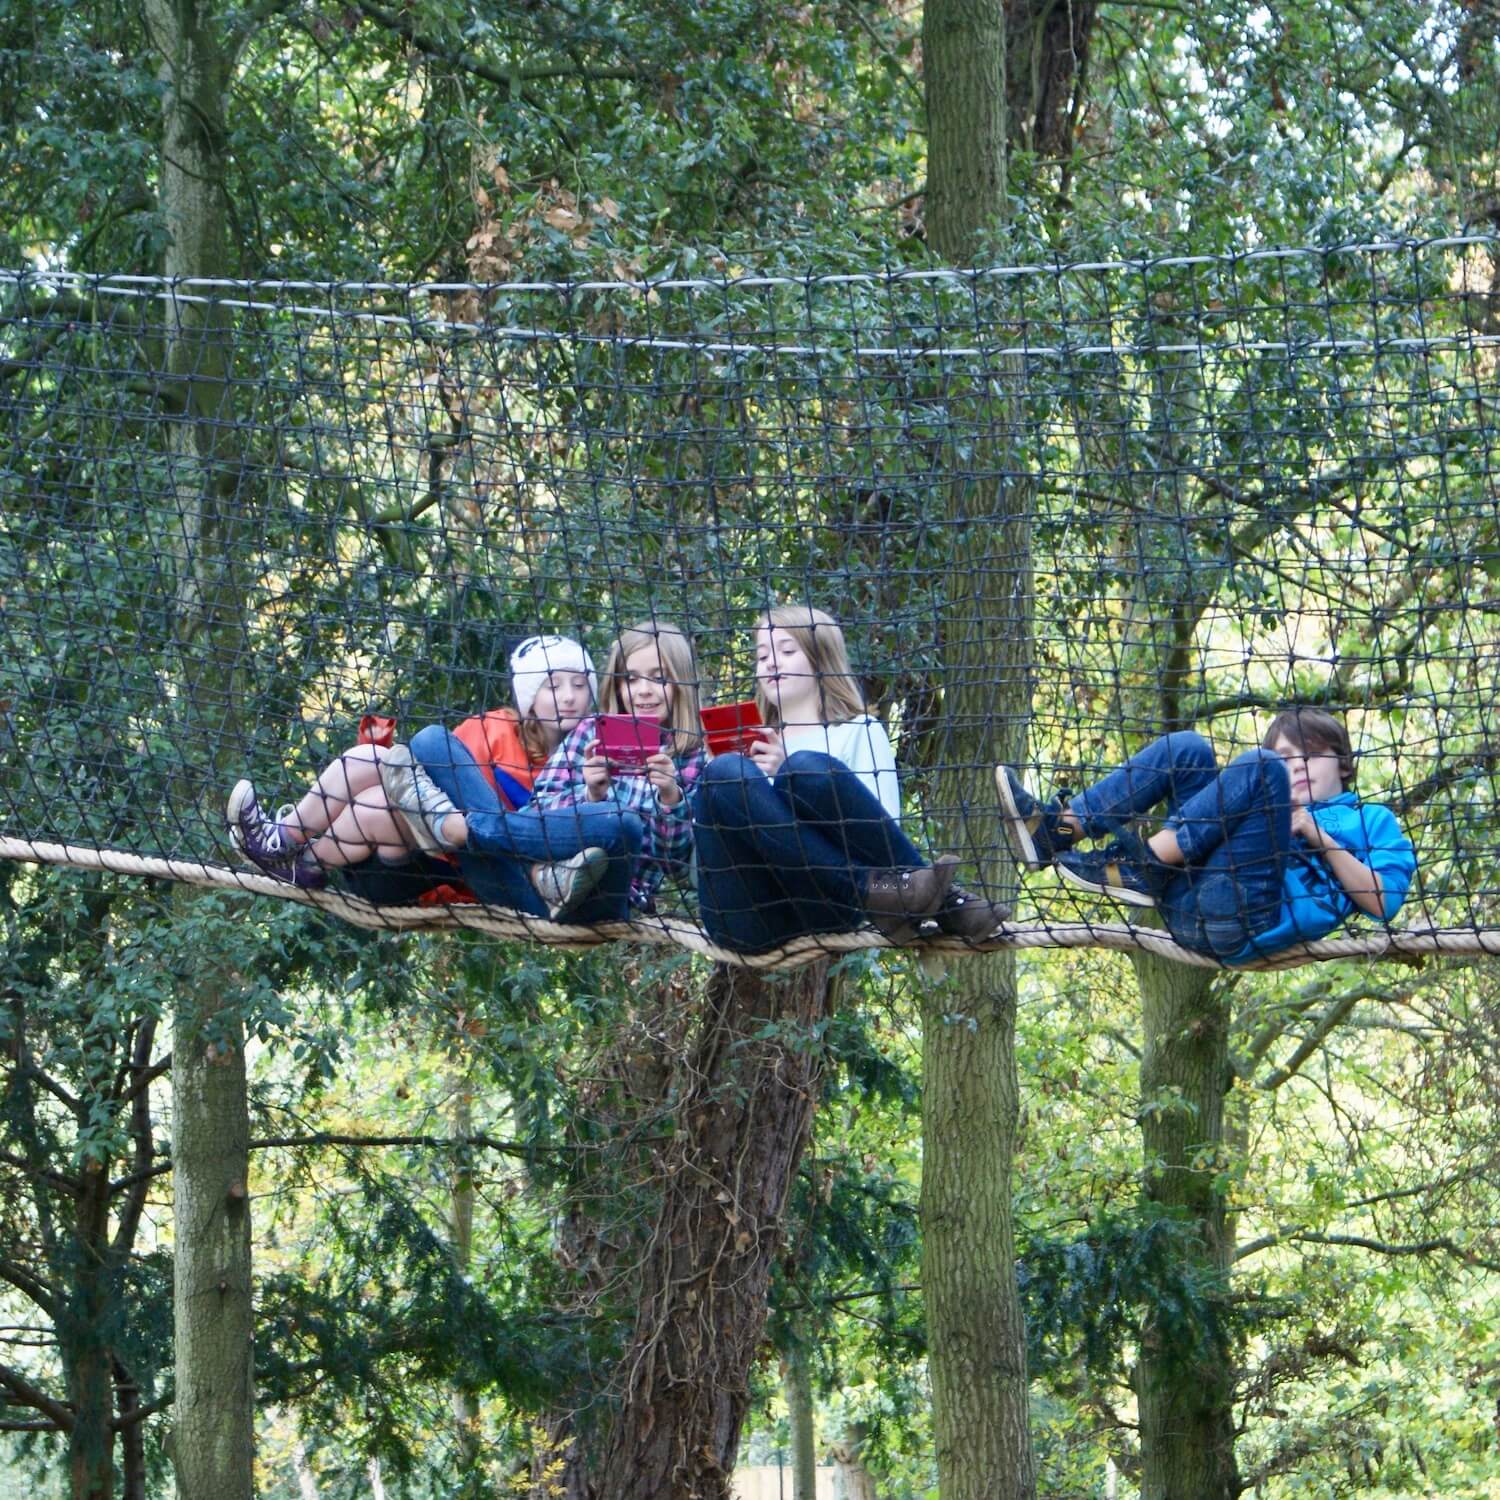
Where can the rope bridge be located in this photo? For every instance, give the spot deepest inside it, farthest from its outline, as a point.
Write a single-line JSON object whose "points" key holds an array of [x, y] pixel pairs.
{"points": [[237, 516]]}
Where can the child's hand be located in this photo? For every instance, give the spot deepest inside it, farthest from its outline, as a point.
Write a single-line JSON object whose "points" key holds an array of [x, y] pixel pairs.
{"points": [[595, 772], [1306, 828], [768, 752], [661, 772]]}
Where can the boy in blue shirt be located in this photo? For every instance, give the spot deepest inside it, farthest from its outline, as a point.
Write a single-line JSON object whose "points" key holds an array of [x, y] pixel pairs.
{"points": [[1274, 849]]}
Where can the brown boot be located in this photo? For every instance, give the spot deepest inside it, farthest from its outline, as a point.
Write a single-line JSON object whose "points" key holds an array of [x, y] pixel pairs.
{"points": [[897, 899], [967, 915]]}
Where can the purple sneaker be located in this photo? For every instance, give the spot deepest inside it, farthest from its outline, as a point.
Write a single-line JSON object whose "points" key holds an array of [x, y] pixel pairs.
{"points": [[261, 840]]}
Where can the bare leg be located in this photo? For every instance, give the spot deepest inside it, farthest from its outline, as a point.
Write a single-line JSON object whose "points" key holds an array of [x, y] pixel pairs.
{"points": [[1165, 847], [356, 770], [364, 827]]}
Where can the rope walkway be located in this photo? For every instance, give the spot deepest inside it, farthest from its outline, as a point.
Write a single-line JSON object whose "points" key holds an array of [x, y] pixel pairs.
{"points": [[497, 922]]}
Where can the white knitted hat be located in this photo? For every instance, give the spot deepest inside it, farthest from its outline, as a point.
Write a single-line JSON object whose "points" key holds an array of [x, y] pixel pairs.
{"points": [[538, 655]]}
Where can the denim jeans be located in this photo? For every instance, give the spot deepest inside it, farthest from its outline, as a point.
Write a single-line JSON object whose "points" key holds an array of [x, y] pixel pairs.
{"points": [[1234, 827], [504, 845], [778, 859]]}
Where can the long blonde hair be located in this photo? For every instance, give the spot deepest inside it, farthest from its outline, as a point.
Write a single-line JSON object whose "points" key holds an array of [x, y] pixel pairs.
{"points": [[676, 653], [839, 696]]}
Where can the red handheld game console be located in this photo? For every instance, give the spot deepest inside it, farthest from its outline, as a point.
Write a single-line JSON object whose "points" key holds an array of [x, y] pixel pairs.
{"points": [[731, 726], [627, 742]]}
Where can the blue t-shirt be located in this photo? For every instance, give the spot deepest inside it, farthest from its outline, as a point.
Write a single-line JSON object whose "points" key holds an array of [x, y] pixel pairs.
{"points": [[1313, 902]]}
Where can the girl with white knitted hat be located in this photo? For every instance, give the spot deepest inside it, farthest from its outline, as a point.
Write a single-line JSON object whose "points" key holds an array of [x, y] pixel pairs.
{"points": [[364, 814]]}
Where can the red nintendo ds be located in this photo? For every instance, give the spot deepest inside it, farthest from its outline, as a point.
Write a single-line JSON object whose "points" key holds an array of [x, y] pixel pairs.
{"points": [[731, 726], [628, 742]]}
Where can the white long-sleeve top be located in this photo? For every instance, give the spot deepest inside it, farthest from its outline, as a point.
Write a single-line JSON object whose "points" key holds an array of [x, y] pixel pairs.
{"points": [[862, 744]]}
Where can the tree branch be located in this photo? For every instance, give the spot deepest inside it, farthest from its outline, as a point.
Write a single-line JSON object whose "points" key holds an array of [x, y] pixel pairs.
{"points": [[506, 78], [32, 1396]]}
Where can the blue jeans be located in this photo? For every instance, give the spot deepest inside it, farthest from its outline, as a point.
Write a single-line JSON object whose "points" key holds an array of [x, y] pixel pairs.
{"points": [[504, 845], [1234, 827], [779, 859]]}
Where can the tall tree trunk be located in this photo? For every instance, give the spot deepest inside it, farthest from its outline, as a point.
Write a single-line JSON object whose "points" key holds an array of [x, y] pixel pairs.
{"points": [[213, 1436], [132, 1438], [963, 68], [81, 1332], [1185, 1402], [465, 1407], [744, 1120], [797, 1387], [970, 1096]]}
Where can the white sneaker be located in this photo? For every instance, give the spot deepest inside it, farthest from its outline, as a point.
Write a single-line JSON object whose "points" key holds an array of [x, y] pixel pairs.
{"points": [[416, 799], [564, 883]]}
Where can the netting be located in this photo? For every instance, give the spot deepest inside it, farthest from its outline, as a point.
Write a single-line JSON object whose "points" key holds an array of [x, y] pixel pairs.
{"points": [[1065, 507]]}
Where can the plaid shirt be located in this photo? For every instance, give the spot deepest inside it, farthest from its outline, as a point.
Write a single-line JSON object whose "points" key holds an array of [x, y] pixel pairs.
{"points": [[668, 845]]}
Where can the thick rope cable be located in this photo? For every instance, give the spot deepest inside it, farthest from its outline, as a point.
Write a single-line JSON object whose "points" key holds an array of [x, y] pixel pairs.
{"points": [[499, 923]]}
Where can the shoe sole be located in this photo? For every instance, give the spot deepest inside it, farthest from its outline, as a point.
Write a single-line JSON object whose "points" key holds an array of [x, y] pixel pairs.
{"points": [[590, 865], [234, 810], [1022, 845], [1102, 888], [396, 778]]}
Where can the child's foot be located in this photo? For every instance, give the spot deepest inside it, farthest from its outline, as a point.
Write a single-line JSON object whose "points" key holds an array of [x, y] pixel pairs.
{"points": [[564, 883], [1125, 870], [263, 841], [1036, 831], [416, 799], [259, 838], [897, 898]]}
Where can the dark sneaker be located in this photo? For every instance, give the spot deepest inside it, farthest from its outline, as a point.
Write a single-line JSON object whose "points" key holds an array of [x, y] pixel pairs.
{"points": [[967, 915], [564, 883], [895, 899], [416, 799], [258, 837], [1034, 830], [1125, 870], [301, 870]]}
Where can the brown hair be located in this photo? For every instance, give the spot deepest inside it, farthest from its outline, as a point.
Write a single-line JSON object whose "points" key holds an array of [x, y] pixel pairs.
{"points": [[1314, 731], [676, 653], [822, 642], [539, 739]]}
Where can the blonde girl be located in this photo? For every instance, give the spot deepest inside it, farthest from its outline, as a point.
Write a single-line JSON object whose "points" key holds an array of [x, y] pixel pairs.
{"points": [[801, 834]]}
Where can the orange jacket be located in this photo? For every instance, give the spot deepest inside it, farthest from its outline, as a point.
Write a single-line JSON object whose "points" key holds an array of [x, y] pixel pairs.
{"points": [[494, 740]]}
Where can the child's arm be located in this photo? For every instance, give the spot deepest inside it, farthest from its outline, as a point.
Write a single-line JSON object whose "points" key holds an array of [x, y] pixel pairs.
{"points": [[562, 782], [673, 820], [1362, 884]]}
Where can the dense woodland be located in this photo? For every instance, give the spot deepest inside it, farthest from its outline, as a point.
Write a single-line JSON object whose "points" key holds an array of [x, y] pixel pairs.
{"points": [[1132, 1229]]}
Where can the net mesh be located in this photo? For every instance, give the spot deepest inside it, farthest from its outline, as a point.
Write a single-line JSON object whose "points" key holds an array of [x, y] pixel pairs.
{"points": [[237, 516]]}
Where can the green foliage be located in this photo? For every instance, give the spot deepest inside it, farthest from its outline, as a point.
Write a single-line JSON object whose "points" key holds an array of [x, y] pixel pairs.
{"points": [[1093, 1300]]}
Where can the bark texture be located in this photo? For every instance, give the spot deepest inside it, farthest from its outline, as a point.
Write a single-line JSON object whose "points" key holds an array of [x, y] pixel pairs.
{"points": [[1185, 1403], [963, 67], [799, 1406], [740, 1132], [213, 1433], [970, 1100]]}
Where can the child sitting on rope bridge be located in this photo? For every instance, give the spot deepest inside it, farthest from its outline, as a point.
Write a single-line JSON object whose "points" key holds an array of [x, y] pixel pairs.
{"points": [[800, 835], [1273, 850], [363, 814], [650, 676]]}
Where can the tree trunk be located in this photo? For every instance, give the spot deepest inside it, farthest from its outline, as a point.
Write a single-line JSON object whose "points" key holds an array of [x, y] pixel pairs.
{"points": [[81, 1329], [132, 1438], [683, 1386], [213, 1436], [465, 1407], [858, 1483], [800, 1413], [970, 1094], [1185, 1402], [963, 67]]}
